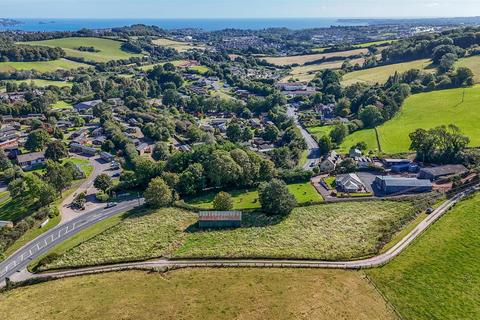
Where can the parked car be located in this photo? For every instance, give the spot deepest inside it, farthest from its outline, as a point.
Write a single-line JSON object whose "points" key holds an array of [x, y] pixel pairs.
{"points": [[111, 205]]}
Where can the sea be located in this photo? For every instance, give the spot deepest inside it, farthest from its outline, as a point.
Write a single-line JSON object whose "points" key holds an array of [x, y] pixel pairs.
{"points": [[171, 24]]}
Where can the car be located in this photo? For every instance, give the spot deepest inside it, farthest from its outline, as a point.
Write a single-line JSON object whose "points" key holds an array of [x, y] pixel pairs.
{"points": [[116, 175], [111, 205]]}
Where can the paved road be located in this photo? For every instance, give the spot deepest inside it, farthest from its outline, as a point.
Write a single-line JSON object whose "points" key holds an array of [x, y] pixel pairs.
{"points": [[313, 149], [39, 246], [269, 263]]}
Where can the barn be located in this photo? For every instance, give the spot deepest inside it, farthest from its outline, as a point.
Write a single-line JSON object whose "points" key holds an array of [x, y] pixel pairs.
{"points": [[393, 185], [219, 219]]}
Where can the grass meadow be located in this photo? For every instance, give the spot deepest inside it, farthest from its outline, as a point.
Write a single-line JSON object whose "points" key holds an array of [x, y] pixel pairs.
{"points": [[382, 73], [109, 49], [302, 59], [437, 277], [209, 294], [44, 83], [426, 110], [177, 45], [42, 66], [347, 230]]}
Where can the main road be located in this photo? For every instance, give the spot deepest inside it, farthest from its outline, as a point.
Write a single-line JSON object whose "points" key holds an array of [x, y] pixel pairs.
{"points": [[313, 150], [21, 258], [378, 260]]}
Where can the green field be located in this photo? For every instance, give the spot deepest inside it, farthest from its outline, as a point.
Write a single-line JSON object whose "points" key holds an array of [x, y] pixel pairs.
{"points": [[177, 45], [302, 59], [366, 135], [319, 132], [151, 66], [220, 294], [42, 66], [472, 63], [109, 49], [248, 199], [374, 43], [437, 277], [332, 231], [381, 74], [426, 110]]}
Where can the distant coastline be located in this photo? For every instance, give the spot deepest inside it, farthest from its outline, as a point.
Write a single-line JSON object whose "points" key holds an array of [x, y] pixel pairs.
{"points": [[9, 22]]}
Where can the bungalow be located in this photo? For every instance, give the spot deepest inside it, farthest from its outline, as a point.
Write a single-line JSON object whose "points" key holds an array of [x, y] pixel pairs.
{"points": [[29, 161], [86, 105], [106, 156], [436, 173], [143, 148], [349, 183], [291, 86], [79, 148], [329, 163], [219, 219], [389, 185], [98, 141]]}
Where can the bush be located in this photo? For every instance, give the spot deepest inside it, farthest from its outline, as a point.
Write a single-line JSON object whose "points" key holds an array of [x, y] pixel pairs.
{"points": [[223, 202], [102, 196], [296, 176], [275, 198]]}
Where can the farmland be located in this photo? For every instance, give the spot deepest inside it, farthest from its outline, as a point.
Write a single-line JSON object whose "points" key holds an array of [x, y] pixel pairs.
{"points": [[307, 73], [177, 45], [437, 277], [205, 294], [41, 66], [302, 59], [426, 110], [382, 73], [248, 199], [109, 49], [332, 231]]}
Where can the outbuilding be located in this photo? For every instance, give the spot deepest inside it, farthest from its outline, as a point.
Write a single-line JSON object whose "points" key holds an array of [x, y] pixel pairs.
{"points": [[219, 219], [389, 185], [436, 173]]}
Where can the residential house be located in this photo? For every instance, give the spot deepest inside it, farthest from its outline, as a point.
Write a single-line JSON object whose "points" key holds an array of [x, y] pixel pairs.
{"points": [[143, 148], [349, 183], [329, 164], [353, 153], [29, 161], [86, 105], [79, 148]]}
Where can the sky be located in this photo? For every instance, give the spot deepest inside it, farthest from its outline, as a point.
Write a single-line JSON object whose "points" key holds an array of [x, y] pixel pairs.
{"points": [[236, 8]]}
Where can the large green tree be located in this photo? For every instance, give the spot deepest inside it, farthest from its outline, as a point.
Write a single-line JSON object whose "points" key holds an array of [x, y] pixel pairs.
{"points": [[275, 198], [37, 140], [56, 151], [158, 194]]}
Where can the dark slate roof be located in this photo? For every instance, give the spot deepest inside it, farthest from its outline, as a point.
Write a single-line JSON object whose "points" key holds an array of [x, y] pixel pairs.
{"points": [[405, 182], [445, 170]]}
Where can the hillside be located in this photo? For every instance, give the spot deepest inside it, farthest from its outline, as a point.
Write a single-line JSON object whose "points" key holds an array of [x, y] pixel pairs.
{"points": [[438, 275], [302, 59], [41, 66], [381, 74], [108, 49], [426, 110]]}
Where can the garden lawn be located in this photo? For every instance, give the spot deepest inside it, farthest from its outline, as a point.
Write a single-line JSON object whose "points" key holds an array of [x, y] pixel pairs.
{"points": [[109, 49], [42, 66], [219, 294], [437, 277], [248, 199], [426, 110], [382, 73], [61, 105], [319, 132]]}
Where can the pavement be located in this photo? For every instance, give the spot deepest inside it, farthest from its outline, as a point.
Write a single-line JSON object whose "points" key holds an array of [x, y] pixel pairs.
{"points": [[376, 261], [99, 166], [17, 262], [313, 157]]}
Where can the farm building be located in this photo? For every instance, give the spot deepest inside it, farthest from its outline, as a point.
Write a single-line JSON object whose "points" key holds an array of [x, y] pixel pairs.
{"points": [[436, 173], [393, 185], [349, 183], [219, 219], [395, 162]]}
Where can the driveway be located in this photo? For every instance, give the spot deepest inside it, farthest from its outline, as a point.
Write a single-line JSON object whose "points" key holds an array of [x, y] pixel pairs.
{"points": [[99, 166]]}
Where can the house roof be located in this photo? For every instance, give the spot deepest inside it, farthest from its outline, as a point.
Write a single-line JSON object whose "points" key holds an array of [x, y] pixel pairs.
{"points": [[22, 158]]}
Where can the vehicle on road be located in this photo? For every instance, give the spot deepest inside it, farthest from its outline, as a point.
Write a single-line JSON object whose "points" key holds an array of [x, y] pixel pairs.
{"points": [[111, 205]]}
